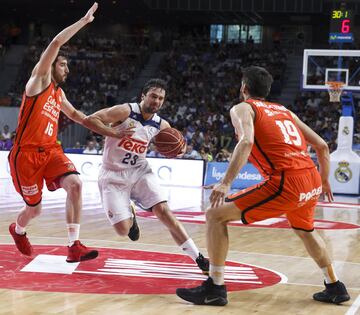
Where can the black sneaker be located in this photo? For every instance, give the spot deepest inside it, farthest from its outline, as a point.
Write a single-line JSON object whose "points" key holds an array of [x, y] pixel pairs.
{"points": [[203, 264], [134, 232], [206, 294], [334, 293]]}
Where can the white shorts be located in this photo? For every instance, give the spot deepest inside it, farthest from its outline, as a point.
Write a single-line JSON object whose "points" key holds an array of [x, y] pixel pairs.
{"points": [[118, 187]]}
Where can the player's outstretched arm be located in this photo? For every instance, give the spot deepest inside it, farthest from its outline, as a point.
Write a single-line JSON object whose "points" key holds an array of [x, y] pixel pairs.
{"points": [[41, 75], [70, 111], [322, 152], [100, 121]]}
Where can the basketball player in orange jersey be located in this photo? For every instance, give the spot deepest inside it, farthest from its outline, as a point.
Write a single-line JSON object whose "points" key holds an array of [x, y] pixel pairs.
{"points": [[274, 139], [36, 156], [125, 173]]}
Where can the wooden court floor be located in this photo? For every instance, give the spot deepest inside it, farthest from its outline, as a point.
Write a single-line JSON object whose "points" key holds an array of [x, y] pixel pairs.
{"points": [[271, 247]]}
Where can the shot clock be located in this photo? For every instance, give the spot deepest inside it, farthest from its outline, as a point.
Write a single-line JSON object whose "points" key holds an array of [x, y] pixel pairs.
{"points": [[341, 25]]}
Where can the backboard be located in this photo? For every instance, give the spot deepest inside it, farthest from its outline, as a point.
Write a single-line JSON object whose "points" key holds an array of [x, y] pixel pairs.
{"points": [[323, 65]]}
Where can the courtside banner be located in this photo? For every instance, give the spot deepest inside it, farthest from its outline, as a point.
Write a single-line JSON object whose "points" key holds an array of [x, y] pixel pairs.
{"points": [[188, 173], [4, 165], [248, 176], [178, 172], [169, 171]]}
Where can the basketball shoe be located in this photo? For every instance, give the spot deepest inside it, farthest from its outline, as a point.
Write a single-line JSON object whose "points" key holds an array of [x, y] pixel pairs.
{"points": [[203, 264], [21, 241], [206, 294], [334, 293], [79, 252], [134, 232]]}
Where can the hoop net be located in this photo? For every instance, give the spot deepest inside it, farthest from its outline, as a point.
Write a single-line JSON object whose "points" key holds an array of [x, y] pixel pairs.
{"points": [[335, 89]]}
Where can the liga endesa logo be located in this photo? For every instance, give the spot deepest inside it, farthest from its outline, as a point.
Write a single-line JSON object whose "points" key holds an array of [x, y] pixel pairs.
{"points": [[278, 223], [118, 271]]}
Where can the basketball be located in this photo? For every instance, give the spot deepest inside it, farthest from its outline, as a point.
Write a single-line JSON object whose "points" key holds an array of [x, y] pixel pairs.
{"points": [[169, 142]]}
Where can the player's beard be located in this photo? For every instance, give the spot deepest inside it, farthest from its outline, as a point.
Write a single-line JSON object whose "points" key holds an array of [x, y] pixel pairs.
{"points": [[150, 110], [59, 79]]}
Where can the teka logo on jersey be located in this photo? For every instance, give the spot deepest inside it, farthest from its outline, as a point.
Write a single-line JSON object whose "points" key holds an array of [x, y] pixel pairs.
{"points": [[118, 271], [133, 145], [277, 223]]}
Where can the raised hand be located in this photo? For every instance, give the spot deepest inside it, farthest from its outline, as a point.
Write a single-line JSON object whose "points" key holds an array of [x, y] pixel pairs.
{"points": [[89, 16]]}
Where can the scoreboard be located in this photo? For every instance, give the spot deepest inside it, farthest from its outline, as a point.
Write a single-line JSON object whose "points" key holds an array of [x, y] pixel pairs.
{"points": [[341, 26]]}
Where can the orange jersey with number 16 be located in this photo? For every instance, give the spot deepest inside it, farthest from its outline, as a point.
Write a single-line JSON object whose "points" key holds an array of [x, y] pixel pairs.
{"points": [[279, 144], [38, 118]]}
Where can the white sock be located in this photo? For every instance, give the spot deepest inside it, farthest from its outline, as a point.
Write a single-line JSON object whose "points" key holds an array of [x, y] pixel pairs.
{"points": [[73, 232], [190, 249], [329, 274], [217, 274], [19, 229]]}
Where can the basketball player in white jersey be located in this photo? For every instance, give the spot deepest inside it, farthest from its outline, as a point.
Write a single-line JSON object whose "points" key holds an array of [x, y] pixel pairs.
{"points": [[125, 173]]}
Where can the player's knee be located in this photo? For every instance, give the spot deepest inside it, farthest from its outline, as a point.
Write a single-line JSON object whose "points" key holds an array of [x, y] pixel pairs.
{"points": [[304, 235], [212, 215], [75, 187], [122, 228], [161, 210]]}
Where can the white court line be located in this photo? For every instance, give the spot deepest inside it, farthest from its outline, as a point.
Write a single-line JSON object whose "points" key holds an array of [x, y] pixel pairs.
{"points": [[354, 307]]}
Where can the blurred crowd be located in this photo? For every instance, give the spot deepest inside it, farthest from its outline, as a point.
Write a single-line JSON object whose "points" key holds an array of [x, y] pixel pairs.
{"points": [[94, 79], [203, 84]]}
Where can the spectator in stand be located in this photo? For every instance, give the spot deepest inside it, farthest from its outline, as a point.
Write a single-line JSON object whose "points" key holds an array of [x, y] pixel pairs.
{"points": [[191, 153], [206, 154], [6, 134], [222, 156], [90, 148], [77, 145]]}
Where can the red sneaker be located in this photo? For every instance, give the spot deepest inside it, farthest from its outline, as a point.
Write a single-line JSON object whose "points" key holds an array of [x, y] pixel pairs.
{"points": [[21, 241], [79, 252]]}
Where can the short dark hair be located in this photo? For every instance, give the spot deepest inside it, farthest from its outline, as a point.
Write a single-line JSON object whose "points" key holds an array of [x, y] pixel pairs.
{"points": [[154, 83], [258, 81], [62, 53]]}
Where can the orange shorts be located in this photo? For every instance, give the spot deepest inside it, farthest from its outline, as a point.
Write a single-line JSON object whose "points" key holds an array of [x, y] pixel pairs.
{"points": [[293, 193], [30, 165]]}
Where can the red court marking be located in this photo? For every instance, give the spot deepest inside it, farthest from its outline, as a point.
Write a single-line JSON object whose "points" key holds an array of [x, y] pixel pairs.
{"points": [[118, 271], [278, 223]]}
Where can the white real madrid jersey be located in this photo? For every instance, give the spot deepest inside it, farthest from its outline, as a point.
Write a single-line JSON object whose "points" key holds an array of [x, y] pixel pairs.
{"points": [[130, 151]]}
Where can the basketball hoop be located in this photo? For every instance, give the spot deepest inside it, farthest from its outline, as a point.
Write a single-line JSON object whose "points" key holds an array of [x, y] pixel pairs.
{"points": [[335, 88]]}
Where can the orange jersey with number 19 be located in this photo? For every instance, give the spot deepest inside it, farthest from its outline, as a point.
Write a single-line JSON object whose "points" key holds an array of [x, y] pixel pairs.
{"points": [[279, 144], [38, 118]]}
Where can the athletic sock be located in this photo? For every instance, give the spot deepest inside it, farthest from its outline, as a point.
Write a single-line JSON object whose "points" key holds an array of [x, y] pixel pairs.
{"points": [[190, 249], [73, 232], [217, 274], [329, 274], [19, 229]]}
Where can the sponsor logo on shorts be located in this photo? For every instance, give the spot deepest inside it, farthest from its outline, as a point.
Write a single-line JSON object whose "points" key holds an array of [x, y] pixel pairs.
{"points": [[110, 214], [30, 190], [306, 196], [119, 271], [71, 167], [343, 173]]}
